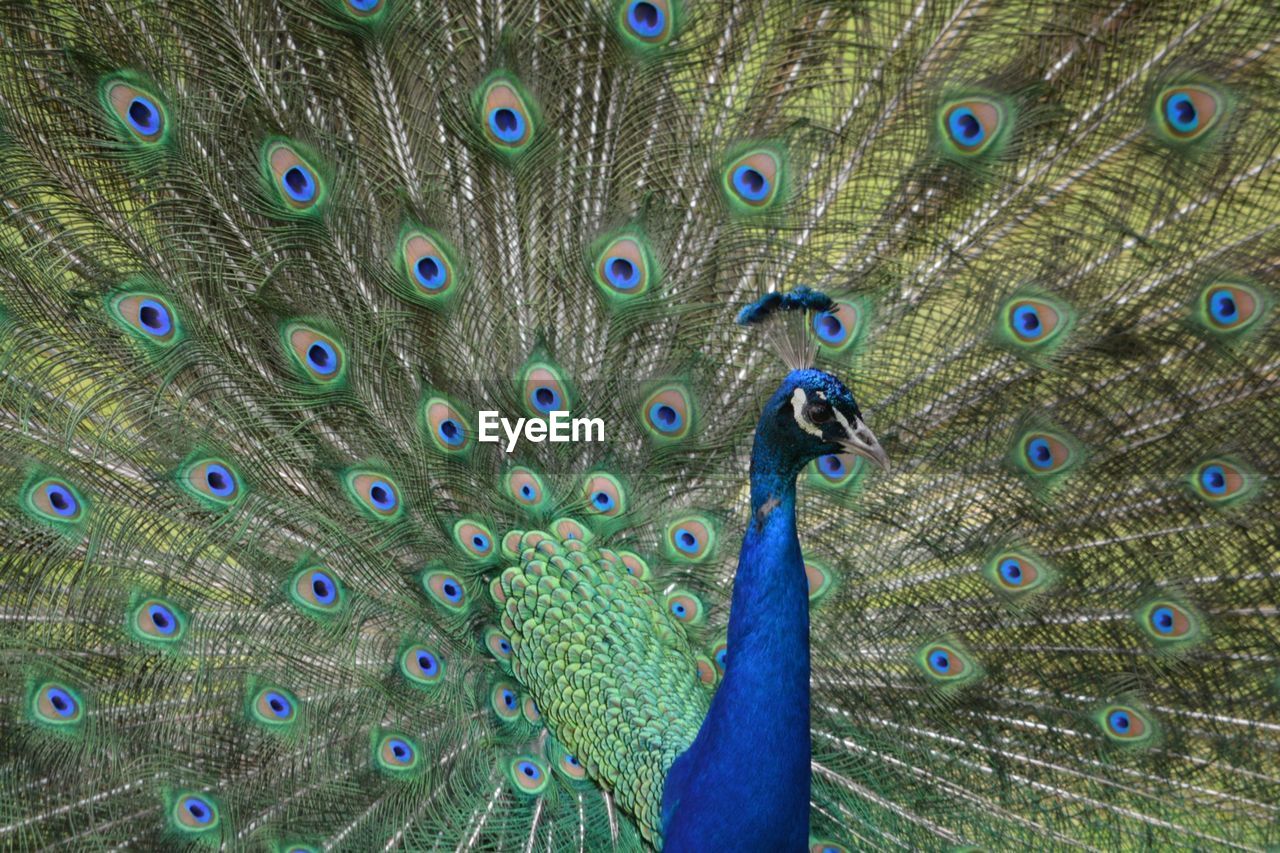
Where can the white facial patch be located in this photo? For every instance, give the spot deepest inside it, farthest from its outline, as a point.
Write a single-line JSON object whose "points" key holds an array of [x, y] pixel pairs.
{"points": [[798, 401]]}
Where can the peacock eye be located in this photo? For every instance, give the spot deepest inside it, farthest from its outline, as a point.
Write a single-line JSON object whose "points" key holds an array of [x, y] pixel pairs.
{"points": [[819, 412]]}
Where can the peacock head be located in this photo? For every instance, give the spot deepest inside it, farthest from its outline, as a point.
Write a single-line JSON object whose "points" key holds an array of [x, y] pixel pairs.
{"points": [[813, 414]]}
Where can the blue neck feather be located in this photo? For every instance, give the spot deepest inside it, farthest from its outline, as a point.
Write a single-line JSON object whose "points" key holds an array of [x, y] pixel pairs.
{"points": [[744, 783]]}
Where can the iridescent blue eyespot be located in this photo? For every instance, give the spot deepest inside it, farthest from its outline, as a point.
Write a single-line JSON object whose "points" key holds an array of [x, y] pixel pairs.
{"points": [[198, 809], [685, 541], [828, 328], [61, 701], [832, 465], [323, 588], [278, 705], [1026, 321], [144, 116], [220, 481], [1162, 620], [451, 590], [940, 661], [506, 124], [621, 272], [427, 663], [364, 5], [1213, 479], [1222, 306], [722, 658], [450, 432], [529, 769], [965, 127], [1119, 721], [1039, 453], [401, 750], [1181, 113], [546, 399], [750, 183], [645, 19], [162, 619], [666, 417], [508, 698], [603, 501], [1011, 571], [322, 358], [679, 609], [382, 496], [154, 318], [572, 760], [299, 184], [61, 500], [431, 272]]}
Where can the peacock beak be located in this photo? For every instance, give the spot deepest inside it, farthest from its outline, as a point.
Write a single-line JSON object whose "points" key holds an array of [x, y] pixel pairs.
{"points": [[861, 441]]}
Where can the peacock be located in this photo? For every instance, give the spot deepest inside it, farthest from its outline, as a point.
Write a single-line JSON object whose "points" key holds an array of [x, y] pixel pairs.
{"points": [[930, 363]]}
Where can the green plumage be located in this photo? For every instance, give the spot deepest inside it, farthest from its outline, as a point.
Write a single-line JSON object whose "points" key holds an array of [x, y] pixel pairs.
{"points": [[264, 264]]}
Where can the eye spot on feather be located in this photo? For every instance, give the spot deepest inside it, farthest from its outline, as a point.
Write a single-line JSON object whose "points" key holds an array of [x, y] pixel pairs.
{"points": [[690, 539], [1168, 622], [1042, 453], [506, 117], [751, 181], [634, 565], [316, 356], [475, 539], [428, 264], [1188, 112], [604, 495], [365, 8], [396, 754], [374, 493], [569, 531], [667, 413], [544, 389], [497, 644], [686, 607], [1221, 481], [530, 710], [946, 664], [212, 481], [838, 327], [826, 847], [1126, 724], [1033, 323], [820, 579], [194, 813], [647, 22], [445, 589], [445, 425], [720, 656], [296, 181], [706, 671], [528, 774], [505, 701], [1229, 307], [836, 470], [139, 112], [55, 500], [1016, 573], [421, 666], [157, 622], [147, 316], [622, 266], [56, 704], [273, 707], [570, 766], [971, 126], [317, 591], [525, 487]]}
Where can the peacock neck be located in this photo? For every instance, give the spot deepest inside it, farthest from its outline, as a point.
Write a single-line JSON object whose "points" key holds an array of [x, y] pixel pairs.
{"points": [[744, 783]]}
